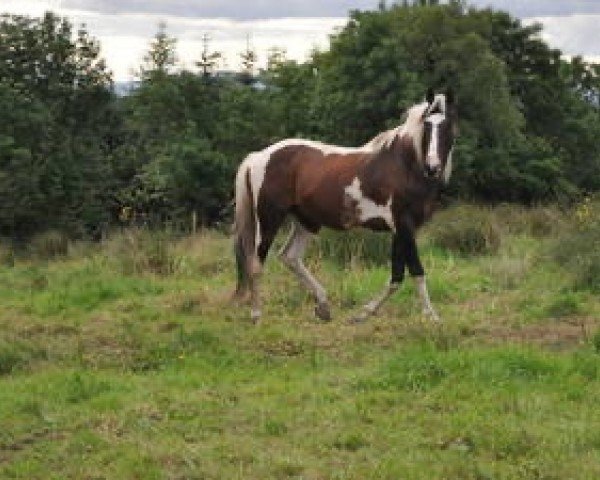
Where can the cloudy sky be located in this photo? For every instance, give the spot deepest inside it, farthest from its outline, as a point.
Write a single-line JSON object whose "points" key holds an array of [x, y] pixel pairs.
{"points": [[125, 27]]}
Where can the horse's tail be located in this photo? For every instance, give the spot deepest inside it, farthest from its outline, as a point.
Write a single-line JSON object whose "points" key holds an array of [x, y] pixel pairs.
{"points": [[244, 227]]}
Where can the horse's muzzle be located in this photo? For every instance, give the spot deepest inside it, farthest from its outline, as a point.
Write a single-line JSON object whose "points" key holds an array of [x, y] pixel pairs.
{"points": [[432, 171]]}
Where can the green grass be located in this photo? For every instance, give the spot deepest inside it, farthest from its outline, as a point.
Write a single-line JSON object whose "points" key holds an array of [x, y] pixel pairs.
{"points": [[132, 365]]}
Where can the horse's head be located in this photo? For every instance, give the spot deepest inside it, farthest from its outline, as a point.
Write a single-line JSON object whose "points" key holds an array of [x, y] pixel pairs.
{"points": [[440, 124]]}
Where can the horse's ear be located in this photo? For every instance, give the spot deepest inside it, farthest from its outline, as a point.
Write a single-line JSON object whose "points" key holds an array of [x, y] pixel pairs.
{"points": [[430, 97]]}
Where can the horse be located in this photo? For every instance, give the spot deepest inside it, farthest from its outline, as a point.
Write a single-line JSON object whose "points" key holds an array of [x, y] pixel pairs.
{"points": [[391, 183]]}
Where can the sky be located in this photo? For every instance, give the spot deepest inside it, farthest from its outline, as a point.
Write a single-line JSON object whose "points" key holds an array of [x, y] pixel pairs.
{"points": [[126, 27]]}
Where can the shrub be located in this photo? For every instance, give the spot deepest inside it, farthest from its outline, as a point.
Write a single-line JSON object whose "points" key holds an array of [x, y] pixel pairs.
{"points": [[7, 255], [466, 230], [49, 245], [540, 221], [578, 249]]}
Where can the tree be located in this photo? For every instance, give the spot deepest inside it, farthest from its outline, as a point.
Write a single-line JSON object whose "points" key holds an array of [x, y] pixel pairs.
{"points": [[248, 59], [276, 57], [208, 60], [526, 115], [55, 120], [161, 58]]}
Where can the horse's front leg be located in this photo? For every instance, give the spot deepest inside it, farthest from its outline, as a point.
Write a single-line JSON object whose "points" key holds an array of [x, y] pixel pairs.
{"points": [[415, 268], [404, 254], [398, 261]]}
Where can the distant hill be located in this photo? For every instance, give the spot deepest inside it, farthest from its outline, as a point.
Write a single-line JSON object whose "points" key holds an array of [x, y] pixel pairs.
{"points": [[124, 88]]}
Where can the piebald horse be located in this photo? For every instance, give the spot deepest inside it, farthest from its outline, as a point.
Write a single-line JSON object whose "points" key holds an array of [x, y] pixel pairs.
{"points": [[390, 183]]}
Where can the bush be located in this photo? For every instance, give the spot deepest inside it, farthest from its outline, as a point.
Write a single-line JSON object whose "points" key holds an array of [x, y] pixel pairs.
{"points": [[49, 245], [7, 255], [466, 230], [578, 249]]}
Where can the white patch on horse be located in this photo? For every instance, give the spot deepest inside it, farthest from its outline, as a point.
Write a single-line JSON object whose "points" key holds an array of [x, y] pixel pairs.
{"points": [[424, 296], [413, 127], [366, 208], [448, 169], [256, 164], [433, 157]]}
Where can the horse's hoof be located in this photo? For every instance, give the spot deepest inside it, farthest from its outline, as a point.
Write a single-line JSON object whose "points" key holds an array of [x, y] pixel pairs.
{"points": [[255, 316], [322, 312]]}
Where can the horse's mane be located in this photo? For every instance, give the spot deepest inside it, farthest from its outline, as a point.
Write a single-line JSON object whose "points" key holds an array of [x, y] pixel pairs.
{"points": [[411, 126]]}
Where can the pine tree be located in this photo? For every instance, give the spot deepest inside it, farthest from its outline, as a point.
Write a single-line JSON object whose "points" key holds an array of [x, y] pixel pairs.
{"points": [[208, 60], [248, 58], [161, 58]]}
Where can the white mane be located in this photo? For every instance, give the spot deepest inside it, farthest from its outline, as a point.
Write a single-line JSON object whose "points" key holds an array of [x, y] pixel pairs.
{"points": [[412, 126]]}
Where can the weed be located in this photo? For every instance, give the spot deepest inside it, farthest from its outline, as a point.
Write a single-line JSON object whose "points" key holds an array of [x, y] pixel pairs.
{"points": [[81, 387], [565, 305], [351, 442], [596, 341], [275, 428], [16, 355]]}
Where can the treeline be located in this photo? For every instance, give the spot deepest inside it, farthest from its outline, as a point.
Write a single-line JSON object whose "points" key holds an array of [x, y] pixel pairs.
{"points": [[77, 158]]}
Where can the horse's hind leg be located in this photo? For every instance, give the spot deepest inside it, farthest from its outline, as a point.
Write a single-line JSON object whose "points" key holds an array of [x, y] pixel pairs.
{"points": [[292, 255], [268, 227], [255, 271]]}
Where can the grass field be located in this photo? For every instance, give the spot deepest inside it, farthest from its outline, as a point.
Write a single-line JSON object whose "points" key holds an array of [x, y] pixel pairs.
{"points": [[126, 360]]}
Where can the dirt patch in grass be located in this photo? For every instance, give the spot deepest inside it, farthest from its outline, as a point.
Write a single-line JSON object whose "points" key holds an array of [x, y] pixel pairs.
{"points": [[557, 335], [49, 329]]}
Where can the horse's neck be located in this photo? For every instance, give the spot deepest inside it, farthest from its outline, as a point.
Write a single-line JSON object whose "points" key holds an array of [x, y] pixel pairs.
{"points": [[381, 140]]}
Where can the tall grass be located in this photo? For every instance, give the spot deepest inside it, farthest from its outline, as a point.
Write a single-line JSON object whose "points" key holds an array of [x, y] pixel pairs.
{"points": [[49, 245], [463, 229], [466, 230], [138, 251], [578, 249], [355, 247]]}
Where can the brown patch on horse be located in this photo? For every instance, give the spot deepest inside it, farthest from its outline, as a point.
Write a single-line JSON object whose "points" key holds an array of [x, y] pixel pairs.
{"points": [[310, 184]]}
